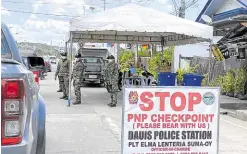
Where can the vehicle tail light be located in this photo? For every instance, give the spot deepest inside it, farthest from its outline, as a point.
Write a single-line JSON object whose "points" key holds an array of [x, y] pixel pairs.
{"points": [[36, 76], [12, 117]]}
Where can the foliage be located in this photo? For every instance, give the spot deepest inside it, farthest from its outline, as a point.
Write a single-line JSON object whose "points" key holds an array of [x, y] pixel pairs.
{"points": [[41, 49], [181, 72], [125, 58], [240, 80], [214, 83], [144, 53], [229, 81], [156, 60], [139, 71], [204, 81]]}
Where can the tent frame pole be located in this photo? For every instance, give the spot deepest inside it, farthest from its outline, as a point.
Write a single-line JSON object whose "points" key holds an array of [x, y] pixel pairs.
{"points": [[66, 46], [70, 70], [209, 61]]}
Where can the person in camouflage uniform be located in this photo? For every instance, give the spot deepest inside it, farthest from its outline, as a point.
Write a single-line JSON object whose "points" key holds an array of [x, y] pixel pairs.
{"points": [[60, 78], [112, 80], [77, 76], [64, 73]]}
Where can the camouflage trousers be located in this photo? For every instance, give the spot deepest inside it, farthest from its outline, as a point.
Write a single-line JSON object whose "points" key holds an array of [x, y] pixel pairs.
{"points": [[77, 90], [60, 81], [65, 85], [113, 93]]}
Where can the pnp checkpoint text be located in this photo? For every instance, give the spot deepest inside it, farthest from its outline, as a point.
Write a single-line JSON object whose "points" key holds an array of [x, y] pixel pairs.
{"points": [[193, 98]]}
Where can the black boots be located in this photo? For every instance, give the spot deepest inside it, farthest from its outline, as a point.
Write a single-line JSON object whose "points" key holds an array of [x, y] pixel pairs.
{"points": [[76, 102], [64, 97], [112, 105]]}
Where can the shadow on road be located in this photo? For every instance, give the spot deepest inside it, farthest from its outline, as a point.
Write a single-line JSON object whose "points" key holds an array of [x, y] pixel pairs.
{"points": [[91, 85]]}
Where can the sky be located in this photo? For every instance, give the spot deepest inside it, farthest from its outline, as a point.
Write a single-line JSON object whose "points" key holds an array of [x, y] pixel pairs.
{"points": [[34, 27]]}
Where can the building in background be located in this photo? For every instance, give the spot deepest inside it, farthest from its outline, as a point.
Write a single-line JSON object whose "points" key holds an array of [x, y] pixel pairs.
{"points": [[228, 18]]}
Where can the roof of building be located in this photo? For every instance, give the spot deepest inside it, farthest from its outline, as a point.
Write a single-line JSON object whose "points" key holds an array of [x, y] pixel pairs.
{"points": [[213, 5]]}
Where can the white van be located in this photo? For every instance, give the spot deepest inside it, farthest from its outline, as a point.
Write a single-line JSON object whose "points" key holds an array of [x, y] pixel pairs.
{"points": [[53, 59]]}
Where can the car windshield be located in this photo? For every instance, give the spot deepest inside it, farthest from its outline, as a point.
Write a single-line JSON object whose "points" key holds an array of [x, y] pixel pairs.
{"points": [[52, 58], [45, 58], [92, 60], [5, 50]]}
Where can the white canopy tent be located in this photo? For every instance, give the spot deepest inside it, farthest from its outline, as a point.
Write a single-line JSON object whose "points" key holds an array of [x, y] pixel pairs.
{"points": [[132, 23]]}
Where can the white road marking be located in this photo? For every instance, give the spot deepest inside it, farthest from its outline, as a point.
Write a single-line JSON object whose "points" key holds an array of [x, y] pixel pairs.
{"points": [[114, 128], [231, 123]]}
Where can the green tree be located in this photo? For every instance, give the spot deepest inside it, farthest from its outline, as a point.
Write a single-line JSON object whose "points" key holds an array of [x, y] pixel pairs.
{"points": [[125, 58], [156, 60]]}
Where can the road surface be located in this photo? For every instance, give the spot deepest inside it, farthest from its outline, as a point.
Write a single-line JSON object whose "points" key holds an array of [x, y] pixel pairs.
{"points": [[95, 128]]}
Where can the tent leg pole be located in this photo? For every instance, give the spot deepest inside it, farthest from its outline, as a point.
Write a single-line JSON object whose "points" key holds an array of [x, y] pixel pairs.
{"points": [[136, 53], [70, 70], [209, 61], [66, 46]]}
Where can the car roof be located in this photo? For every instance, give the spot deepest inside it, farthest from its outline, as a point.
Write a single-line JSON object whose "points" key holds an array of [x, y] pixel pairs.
{"points": [[28, 54]]}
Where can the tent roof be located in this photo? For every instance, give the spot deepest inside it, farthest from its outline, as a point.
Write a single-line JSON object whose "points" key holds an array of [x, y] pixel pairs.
{"points": [[132, 23]]}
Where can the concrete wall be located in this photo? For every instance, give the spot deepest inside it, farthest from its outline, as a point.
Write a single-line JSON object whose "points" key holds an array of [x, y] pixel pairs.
{"points": [[233, 62], [190, 50]]}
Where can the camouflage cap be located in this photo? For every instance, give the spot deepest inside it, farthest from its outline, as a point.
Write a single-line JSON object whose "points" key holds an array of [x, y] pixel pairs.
{"points": [[78, 55], [64, 54], [111, 57]]}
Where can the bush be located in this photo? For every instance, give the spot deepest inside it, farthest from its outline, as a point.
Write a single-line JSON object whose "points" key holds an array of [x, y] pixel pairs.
{"points": [[181, 72], [229, 81], [144, 53], [156, 60], [239, 81], [125, 58]]}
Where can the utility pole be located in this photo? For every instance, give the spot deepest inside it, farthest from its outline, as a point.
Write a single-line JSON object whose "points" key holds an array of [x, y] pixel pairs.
{"points": [[182, 9]]}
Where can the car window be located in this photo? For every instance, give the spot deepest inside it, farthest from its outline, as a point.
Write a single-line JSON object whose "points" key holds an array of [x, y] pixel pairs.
{"points": [[45, 58], [5, 50], [92, 60]]}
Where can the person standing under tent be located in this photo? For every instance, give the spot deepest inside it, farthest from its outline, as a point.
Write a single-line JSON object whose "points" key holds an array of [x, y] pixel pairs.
{"points": [[77, 76], [64, 73], [132, 70], [60, 78], [112, 79]]}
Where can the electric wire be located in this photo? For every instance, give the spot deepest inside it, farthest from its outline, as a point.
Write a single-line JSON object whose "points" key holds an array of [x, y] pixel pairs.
{"points": [[49, 3], [38, 13]]}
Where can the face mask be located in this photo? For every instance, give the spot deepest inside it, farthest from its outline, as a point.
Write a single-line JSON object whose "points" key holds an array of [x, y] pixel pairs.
{"points": [[64, 57], [77, 59], [111, 60]]}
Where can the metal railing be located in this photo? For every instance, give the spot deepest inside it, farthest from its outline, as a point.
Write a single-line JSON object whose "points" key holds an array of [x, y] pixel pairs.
{"points": [[138, 81]]}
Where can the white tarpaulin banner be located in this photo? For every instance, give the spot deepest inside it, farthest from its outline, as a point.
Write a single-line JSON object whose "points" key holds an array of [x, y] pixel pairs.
{"points": [[173, 120]]}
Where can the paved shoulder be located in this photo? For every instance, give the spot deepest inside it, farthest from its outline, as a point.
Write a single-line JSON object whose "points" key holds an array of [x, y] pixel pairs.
{"points": [[233, 135]]}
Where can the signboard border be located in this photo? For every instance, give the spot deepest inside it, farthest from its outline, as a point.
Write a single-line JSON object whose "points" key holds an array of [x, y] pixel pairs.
{"points": [[167, 87]]}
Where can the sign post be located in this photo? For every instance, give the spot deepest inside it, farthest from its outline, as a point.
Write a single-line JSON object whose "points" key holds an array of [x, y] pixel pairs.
{"points": [[172, 120]]}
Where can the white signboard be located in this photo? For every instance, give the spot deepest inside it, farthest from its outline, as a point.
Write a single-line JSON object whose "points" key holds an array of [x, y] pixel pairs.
{"points": [[174, 120]]}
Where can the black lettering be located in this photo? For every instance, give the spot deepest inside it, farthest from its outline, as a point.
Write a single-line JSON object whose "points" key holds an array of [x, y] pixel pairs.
{"points": [[140, 135]]}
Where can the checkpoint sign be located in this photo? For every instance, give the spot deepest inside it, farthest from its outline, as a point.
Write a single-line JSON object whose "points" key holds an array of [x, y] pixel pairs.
{"points": [[170, 120]]}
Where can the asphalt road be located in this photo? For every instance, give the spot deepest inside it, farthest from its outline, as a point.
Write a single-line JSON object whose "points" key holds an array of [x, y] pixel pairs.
{"points": [[94, 128]]}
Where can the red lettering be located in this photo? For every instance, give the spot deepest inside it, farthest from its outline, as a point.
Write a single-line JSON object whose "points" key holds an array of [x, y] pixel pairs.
{"points": [[162, 96], [153, 118], [194, 98], [137, 117], [130, 116], [146, 99], [173, 101]]}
